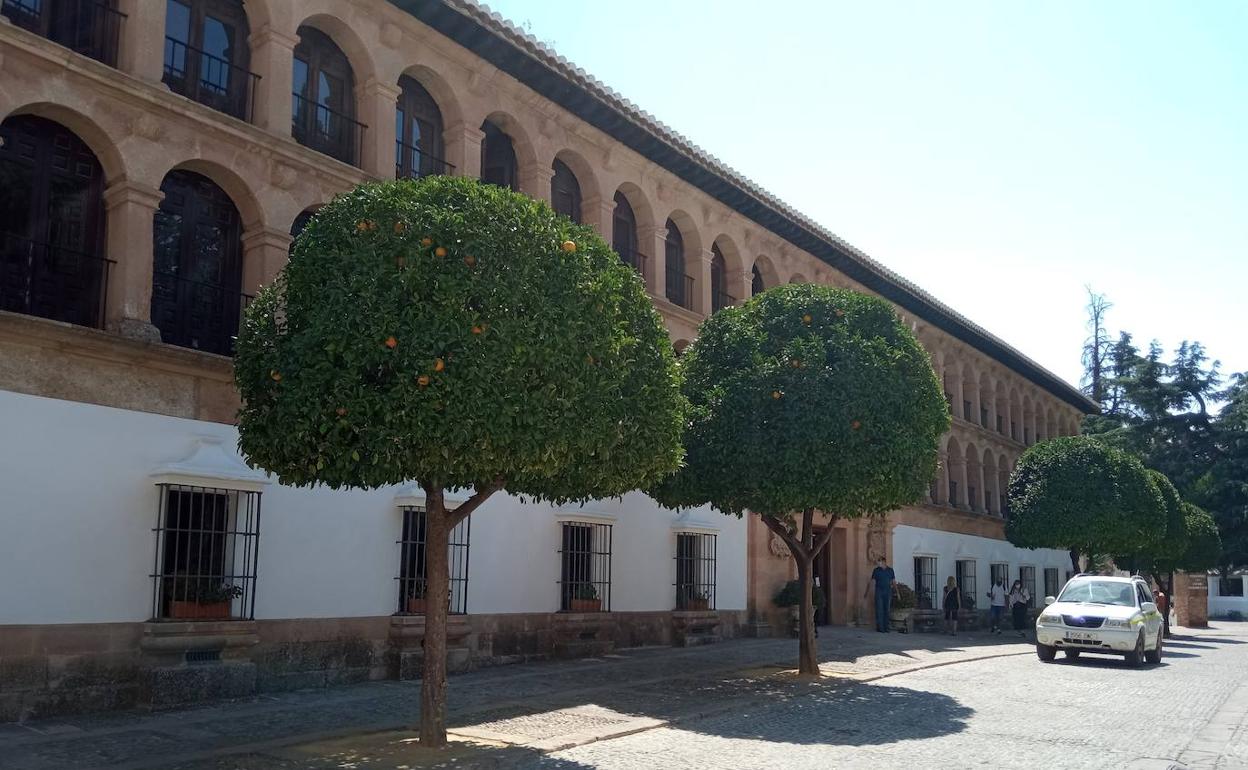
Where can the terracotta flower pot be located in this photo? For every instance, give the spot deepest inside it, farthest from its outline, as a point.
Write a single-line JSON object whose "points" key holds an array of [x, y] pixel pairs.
{"points": [[584, 605], [416, 606], [196, 611]]}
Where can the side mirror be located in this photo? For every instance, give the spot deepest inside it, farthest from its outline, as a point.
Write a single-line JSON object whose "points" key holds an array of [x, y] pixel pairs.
{"points": [[1049, 600], [1148, 607]]}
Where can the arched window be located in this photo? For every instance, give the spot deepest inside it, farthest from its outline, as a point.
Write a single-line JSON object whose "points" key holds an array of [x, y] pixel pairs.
{"points": [[297, 226], [51, 223], [565, 192], [624, 233], [719, 281], [679, 285], [90, 28], [756, 281], [418, 133], [498, 158], [206, 54], [197, 272], [323, 106]]}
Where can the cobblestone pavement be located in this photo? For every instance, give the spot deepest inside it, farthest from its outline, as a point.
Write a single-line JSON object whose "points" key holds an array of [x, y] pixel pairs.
{"points": [[1010, 712], [541, 706], [889, 701]]}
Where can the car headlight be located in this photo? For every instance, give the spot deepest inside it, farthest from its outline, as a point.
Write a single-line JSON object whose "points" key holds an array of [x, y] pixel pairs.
{"points": [[1116, 623], [1051, 619]]}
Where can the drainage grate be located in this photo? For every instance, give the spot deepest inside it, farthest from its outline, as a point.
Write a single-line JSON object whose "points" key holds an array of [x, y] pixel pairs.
{"points": [[203, 656]]}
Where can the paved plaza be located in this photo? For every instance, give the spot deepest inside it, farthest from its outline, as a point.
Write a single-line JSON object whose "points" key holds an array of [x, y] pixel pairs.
{"points": [[887, 701]]}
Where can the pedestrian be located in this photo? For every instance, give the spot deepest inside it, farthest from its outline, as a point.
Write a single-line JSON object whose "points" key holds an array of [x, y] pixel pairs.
{"points": [[884, 579], [952, 603], [996, 604], [1019, 599]]}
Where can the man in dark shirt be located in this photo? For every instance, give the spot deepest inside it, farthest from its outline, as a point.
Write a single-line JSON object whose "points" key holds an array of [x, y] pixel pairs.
{"points": [[884, 579]]}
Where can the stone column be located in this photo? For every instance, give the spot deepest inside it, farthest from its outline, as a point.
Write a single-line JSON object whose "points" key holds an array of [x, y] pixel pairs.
{"points": [[463, 149], [942, 481], [142, 45], [265, 252], [738, 284], [273, 59], [535, 180], [377, 104], [599, 213], [701, 301], [1191, 599], [130, 210], [657, 238]]}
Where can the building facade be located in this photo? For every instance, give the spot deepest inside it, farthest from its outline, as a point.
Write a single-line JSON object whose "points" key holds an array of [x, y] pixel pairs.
{"points": [[158, 158]]}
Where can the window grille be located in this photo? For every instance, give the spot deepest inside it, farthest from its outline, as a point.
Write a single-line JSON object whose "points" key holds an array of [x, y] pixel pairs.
{"points": [[695, 571], [412, 579], [966, 410], [207, 541], [965, 575], [1000, 573], [585, 567], [1231, 586], [925, 581], [1050, 581], [1028, 577], [953, 494]]}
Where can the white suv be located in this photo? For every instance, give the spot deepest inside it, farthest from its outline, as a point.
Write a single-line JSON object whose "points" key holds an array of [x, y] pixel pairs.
{"points": [[1095, 613]]}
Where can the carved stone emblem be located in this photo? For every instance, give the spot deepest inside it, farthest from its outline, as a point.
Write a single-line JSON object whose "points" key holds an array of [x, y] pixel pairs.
{"points": [[777, 546]]}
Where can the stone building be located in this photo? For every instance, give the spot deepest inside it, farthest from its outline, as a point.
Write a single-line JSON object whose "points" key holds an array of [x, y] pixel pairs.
{"points": [[159, 156]]}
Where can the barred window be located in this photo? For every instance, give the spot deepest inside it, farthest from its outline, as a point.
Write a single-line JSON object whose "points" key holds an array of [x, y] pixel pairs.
{"points": [[585, 567], [925, 581], [695, 571], [1050, 581], [206, 549], [1000, 573], [1231, 586], [412, 579], [965, 576], [1027, 575]]}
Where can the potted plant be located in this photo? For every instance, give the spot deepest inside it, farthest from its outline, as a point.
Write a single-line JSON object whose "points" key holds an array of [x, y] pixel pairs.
{"points": [[904, 602], [698, 601], [584, 599], [416, 599], [790, 596], [205, 600]]}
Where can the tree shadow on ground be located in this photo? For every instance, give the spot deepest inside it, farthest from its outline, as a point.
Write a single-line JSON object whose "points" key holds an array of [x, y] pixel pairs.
{"points": [[1170, 644], [1091, 660], [1210, 639]]}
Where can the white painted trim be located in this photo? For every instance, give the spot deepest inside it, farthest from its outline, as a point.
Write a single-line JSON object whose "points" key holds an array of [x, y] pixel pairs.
{"points": [[414, 496], [211, 464], [695, 528], [590, 517]]}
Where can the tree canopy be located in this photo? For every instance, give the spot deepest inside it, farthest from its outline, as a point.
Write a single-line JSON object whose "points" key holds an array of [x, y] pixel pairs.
{"points": [[1079, 494], [456, 332], [808, 397]]}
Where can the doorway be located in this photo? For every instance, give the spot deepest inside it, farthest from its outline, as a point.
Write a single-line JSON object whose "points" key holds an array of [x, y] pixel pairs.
{"points": [[822, 574]]}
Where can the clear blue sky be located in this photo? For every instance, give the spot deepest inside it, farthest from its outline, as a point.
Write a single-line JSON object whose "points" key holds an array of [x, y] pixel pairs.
{"points": [[1000, 154]]}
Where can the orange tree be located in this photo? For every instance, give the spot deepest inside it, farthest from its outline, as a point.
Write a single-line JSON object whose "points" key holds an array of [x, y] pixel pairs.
{"points": [[807, 398], [1078, 494], [461, 336]]}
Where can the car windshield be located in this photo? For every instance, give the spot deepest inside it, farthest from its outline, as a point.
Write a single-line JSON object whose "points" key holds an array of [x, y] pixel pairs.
{"points": [[1099, 592]]}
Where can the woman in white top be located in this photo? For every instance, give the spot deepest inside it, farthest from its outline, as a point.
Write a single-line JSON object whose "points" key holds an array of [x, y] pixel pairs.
{"points": [[1019, 599]]}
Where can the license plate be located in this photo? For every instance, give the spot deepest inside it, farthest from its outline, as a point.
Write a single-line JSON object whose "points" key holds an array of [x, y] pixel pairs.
{"points": [[1078, 636]]}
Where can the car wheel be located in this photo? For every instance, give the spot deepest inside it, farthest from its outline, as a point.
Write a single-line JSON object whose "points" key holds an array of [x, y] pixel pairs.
{"points": [[1073, 654], [1135, 658], [1046, 653], [1154, 655]]}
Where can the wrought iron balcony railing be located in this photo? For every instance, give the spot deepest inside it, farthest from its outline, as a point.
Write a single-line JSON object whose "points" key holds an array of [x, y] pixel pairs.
{"points": [[210, 80], [49, 281], [325, 130], [90, 27]]}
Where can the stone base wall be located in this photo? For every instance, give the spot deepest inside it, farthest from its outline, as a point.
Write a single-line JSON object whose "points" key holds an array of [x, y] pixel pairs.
{"points": [[58, 670]]}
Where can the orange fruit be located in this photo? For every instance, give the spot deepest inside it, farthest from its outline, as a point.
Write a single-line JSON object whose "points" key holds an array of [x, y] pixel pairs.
{"points": [[391, 342], [423, 380], [399, 226], [477, 330], [840, 313], [341, 411], [795, 363], [276, 375], [439, 252], [438, 364], [470, 260], [569, 246], [426, 241], [776, 394], [806, 319], [362, 225], [855, 425]]}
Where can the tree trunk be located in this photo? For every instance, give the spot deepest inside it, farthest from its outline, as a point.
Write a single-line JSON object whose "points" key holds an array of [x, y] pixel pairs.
{"points": [[1074, 560], [437, 593], [807, 656]]}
